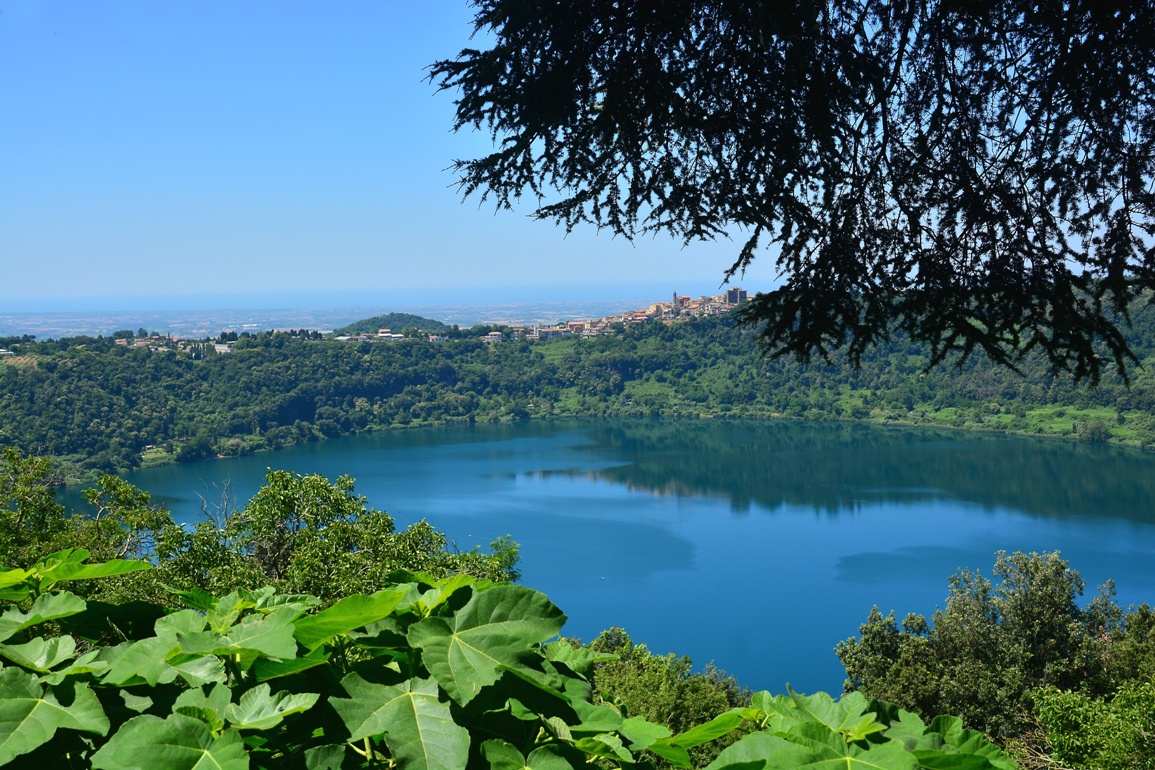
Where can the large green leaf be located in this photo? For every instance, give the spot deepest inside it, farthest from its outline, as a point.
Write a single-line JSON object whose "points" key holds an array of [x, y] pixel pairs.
{"points": [[528, 698], [40, 654], [945, 744], [259, 709], [269, 635], [16, 585], [183, 622], [497, 627], [151, 660], [76, 571], [350, 613], [850, 715], [580, 660], [671, 752], [827, 748], [198, 669], [754, 752], [723, 724], [30, 714], [14, 577], [214, 700], [930, 759], [141, 662], [594, 719], [226, 611], [642, 733], [196, 598], [47, 607], [606, 746], [905, 726], [502, 755], [444, 590], [387, 633], [766, 751], [418, 727], [328, 757], [176, 743], [267, 668], [968, 742], [85, 664]]}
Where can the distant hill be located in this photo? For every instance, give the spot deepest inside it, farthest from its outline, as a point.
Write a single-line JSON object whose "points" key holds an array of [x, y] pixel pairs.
{"points": [[394, 321]]}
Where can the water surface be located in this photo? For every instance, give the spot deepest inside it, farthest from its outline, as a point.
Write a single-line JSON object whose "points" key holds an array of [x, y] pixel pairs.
{"points": [[759, 545]]}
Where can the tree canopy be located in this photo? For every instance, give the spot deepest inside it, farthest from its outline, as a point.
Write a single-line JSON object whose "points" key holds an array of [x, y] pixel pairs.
{"points": [[978, 176], [394, 321]]}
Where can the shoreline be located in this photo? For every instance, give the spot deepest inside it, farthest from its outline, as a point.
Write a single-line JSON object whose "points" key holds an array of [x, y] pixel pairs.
{"points": [[90, 477]]}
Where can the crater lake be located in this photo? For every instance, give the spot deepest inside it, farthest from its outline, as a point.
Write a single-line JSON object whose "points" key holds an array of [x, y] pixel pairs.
{"points": [[755, 545]]}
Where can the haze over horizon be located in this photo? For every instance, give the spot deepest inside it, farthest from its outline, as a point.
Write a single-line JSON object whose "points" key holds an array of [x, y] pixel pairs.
{"points": [[198, 316], [358, 297], [176, 152]]}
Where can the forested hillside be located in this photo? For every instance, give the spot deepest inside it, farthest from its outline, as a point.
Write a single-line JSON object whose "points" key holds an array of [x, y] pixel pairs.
{"points": [[395, 322], [102, 406]]}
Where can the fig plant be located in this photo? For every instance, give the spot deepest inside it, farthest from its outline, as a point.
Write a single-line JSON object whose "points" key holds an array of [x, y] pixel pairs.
{"points": [[428, 674]]}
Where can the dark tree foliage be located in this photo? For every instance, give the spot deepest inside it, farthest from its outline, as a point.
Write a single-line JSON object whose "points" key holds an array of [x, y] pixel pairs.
{"points": [[976, 174]]}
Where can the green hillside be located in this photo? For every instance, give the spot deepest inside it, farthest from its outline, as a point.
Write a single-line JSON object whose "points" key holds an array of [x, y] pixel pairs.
{"points": [[108, 407], [394, 321]]}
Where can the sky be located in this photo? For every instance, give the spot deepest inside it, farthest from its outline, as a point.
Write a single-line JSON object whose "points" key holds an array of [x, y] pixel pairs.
{"points": [[167, 152]]}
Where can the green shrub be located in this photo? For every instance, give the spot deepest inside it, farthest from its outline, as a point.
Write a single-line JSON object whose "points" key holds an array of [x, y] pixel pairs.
{"points": [[425, 674], [1100, 734], [990, 647], [665, 689]]}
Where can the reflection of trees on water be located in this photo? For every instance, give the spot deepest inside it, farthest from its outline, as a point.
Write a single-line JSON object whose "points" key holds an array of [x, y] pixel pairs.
{"points": [[839, 467]]}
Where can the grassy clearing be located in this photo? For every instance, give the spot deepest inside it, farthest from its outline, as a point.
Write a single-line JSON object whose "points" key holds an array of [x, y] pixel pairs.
{"points": [[150, 458], [556, 350]]}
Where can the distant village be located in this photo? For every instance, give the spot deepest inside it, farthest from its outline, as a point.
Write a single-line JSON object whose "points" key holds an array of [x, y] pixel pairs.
{"points": [[679, 308]]}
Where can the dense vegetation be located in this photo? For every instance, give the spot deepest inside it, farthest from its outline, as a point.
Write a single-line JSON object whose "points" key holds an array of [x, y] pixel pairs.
{"points": [[423, 674], [1023, 662], [104, 407], [395, 322], [298, 534], [665, 689]]}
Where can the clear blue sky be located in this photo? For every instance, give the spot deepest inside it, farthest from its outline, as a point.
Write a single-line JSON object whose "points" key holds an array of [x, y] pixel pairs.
{"points": [[190, 148]]}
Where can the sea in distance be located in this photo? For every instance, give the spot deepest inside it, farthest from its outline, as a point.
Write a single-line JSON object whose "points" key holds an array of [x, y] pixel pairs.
{"points": [[197, 316], [755, 545]]}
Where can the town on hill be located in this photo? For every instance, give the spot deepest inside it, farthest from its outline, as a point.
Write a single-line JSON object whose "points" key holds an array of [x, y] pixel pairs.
{"points": [[680, 307]]}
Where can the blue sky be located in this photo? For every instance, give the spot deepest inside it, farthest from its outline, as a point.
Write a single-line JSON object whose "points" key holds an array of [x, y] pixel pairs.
{"points": [[179, 149]]}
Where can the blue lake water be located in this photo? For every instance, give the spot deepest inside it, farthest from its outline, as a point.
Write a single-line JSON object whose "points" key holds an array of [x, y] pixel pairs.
{"points": [[759, 545]]}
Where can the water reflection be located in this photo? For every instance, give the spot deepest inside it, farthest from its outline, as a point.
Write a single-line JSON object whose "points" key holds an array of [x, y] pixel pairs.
{"points": [[835, 468], [784, 534]]}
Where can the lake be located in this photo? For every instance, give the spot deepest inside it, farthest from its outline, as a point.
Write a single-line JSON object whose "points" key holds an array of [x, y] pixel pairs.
{"points": [[756, 545]]}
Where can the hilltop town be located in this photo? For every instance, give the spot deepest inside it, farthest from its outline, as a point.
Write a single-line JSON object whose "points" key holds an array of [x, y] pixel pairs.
{"points": [[680, 307]]}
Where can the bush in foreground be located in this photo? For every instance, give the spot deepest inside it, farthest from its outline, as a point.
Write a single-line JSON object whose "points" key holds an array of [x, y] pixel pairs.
{"points": [[1023, 661], [428, 674], [299, 533]]}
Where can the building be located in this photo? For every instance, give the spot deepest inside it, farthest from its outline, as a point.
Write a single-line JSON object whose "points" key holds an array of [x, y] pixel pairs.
{"points": [[735, 296]]}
